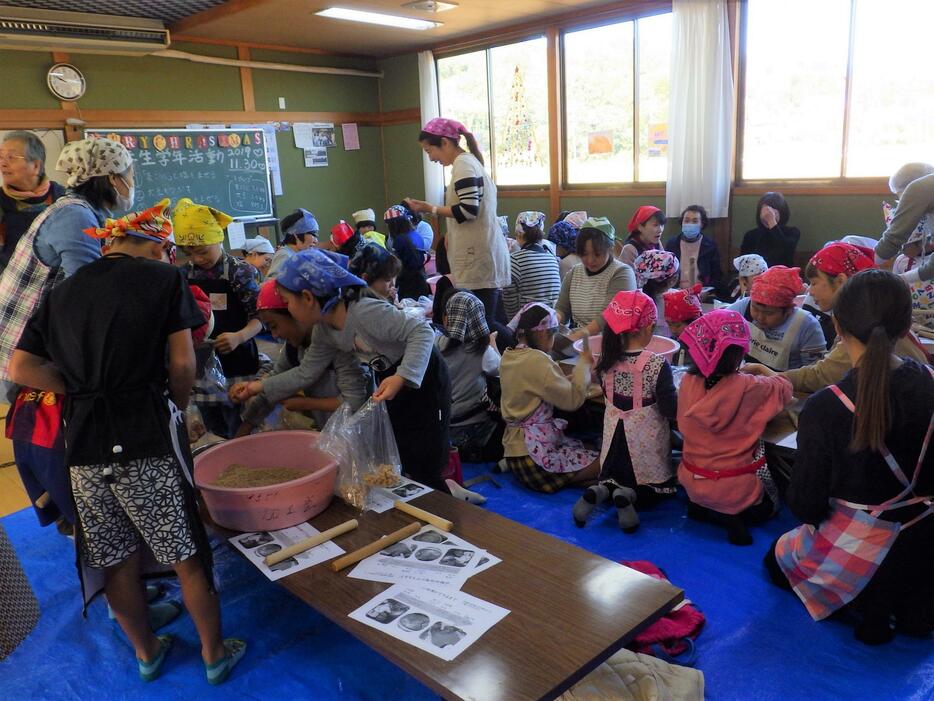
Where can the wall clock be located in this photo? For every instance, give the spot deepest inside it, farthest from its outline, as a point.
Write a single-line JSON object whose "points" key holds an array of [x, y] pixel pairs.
{"points": [[66, 82]]}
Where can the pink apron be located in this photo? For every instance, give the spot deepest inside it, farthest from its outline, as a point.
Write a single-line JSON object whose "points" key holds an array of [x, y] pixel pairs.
{"points": [[548, 447], [648, 435], [830, 565]]}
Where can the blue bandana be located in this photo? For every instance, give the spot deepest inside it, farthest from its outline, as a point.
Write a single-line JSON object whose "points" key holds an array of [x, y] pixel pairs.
{"points": [[323, 273], [563, 234], [306, 225]]}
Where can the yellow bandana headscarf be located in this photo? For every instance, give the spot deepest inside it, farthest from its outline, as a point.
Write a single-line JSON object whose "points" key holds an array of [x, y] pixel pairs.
{"points": [[198, 224], [153, 224]]}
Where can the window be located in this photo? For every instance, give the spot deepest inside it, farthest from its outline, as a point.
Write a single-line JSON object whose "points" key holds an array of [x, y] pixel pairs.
{"points": [[836, 88], [616, 101], [506, 88]]}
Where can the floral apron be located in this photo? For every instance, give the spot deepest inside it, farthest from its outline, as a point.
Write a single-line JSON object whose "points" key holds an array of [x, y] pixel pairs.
{"points": [[548, 447], [830, 565], [648, 435]]}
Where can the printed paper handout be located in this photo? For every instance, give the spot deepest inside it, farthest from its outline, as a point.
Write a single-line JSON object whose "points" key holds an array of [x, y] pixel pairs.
{"points": [[441, 622], [256, 546], [381, 498], [431, 557]]}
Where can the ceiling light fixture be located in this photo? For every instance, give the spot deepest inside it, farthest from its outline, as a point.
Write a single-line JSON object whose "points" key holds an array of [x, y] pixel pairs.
{"points": [[430, 5], [377, 18]]}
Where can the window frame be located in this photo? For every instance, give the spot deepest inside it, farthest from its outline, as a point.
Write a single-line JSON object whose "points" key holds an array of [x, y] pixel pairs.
{"points": [[635, 184], [487, 49], [830, 185]]}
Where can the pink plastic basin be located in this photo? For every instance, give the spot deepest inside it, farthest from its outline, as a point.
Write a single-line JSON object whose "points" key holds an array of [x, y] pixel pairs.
{"points": [[278, 505], [660, 345]]}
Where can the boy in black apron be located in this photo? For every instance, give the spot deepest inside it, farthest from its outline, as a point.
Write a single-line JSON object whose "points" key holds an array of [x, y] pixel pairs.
{"points": [[231, 284]]}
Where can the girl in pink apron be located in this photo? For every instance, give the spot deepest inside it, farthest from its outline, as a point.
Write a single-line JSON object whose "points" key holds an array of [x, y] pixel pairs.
{"points": [[535, 447], [722, 414], [863, 483], [640, 400]]}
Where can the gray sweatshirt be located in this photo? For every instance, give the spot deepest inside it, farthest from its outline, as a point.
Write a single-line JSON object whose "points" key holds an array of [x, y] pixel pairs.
{"points": [[915, 202], [321, 356]]}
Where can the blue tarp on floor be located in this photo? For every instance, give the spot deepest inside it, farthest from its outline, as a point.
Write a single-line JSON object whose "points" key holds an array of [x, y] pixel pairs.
{"points": [[759, 642]]}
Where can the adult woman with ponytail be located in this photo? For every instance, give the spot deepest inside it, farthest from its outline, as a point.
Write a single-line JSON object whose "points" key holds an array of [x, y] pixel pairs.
{"points": [[476, 249], [864, 479]]}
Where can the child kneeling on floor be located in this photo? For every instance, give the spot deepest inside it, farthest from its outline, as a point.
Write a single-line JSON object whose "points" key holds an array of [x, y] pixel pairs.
{"points": [[124, 432], [722, 414], [536, 449], [640, 400]]}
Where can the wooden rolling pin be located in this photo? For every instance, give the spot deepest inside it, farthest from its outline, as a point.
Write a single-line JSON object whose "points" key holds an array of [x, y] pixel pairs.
{"points": [[374, 547], [303, 545], [423, 515]]}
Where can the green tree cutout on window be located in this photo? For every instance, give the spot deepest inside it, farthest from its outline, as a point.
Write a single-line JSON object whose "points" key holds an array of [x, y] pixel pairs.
{"points": [[518, 145]]}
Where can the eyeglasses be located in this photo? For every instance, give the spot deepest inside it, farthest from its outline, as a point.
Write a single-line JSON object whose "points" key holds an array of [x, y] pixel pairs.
{"points": [[10, 157]]}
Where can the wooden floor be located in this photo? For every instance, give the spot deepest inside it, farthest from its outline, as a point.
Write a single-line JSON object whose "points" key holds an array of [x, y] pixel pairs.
{"points": [[12, 496]]}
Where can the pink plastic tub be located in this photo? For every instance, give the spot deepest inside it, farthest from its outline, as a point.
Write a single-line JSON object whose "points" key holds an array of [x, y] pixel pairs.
{"points": [[660, 345], [278, 505]]}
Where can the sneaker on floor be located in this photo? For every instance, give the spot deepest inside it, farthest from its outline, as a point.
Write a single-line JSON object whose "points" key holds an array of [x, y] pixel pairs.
{"points": [[218, 672], [150, 671]]}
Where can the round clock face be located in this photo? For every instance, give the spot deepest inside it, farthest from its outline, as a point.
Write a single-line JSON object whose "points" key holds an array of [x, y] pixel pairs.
{"points": [[65, 81]]}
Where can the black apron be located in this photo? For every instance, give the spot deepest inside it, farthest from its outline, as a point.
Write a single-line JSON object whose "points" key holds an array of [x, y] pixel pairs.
{"points": [[421, 420], [230, 316]]}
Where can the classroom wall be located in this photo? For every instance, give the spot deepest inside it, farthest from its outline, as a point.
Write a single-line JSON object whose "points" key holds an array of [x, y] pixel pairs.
{"points": [[353, 179]]}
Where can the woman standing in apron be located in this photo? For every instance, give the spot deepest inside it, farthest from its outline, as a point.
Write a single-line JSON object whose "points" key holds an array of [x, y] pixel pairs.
{"points": [[411, 375], [781, 336], [232, 286], [864, 481], [640, 400]]}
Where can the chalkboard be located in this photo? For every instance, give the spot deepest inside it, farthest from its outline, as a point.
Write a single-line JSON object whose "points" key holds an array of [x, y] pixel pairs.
{"points": [[224, 168]]}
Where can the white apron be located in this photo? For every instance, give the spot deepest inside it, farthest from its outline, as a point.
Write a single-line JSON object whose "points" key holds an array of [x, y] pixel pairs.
{"points": [[775, 354]]}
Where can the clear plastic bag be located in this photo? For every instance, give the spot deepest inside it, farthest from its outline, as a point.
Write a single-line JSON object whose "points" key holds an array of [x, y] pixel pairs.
{"points": [[366, 450]]}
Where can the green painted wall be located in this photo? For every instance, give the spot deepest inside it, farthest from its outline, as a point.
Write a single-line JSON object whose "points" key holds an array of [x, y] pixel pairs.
{"points": [[22, 84], [820, 218], [400, 83], [404, 174]]}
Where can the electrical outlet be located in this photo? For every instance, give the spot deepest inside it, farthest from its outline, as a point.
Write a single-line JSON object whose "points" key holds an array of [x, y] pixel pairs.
{"points": [[281, 103]]}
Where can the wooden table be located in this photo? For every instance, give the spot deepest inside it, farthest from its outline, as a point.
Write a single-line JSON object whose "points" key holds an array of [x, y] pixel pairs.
{"points": [[784, 427], [569, 609]]}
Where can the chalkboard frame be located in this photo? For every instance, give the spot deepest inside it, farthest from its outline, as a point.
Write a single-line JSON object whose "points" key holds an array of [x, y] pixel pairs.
{"points": [[262, 218]]}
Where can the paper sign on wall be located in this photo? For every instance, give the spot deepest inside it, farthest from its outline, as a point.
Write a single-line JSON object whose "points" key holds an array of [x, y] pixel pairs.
{"points": [[236, 234], [351, 137], [303, 134], [316, 157]]}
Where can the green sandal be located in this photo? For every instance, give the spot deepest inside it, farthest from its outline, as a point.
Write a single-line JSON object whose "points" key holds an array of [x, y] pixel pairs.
{"points": [[218, 672], [149, 671]]}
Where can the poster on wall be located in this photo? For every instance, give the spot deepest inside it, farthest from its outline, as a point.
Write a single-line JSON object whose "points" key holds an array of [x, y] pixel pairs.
{"points": [[272, 152], [323, 135], [658, 140], [351, 136], [302, 134], [316, 157]]}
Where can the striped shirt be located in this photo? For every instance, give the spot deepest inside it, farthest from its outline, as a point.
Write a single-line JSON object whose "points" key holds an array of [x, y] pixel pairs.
{"points": [[584, 296], [535, 278]]}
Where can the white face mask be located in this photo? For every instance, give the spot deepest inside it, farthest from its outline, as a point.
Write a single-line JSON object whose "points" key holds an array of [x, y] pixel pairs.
{"points": [[124, 203]]}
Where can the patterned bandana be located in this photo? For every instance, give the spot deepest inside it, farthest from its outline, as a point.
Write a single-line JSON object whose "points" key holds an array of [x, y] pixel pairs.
{"points": [[364, 216], [269, 297], [375, 237], [368, 259], [306, 224], [711, 334], [563, 234], [683, 305], [549, 322], [530, 220], [641, 217], [630, 311], [655, 265], [576, 219], [750, 265], [260, 244], [837, 258], [198, 224], [601, 224], [396, 211], [448, 128], [777, 287], [323, 273], [89, 158], [152, 224], [466, 318], [341, 233]]}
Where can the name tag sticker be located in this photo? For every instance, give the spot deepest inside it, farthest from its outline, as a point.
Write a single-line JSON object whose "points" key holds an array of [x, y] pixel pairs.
{"points": [[219, 301]]}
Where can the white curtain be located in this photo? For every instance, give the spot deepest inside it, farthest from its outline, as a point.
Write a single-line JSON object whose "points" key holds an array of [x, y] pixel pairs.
{"points": [[428, 90], [700, 122]]}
